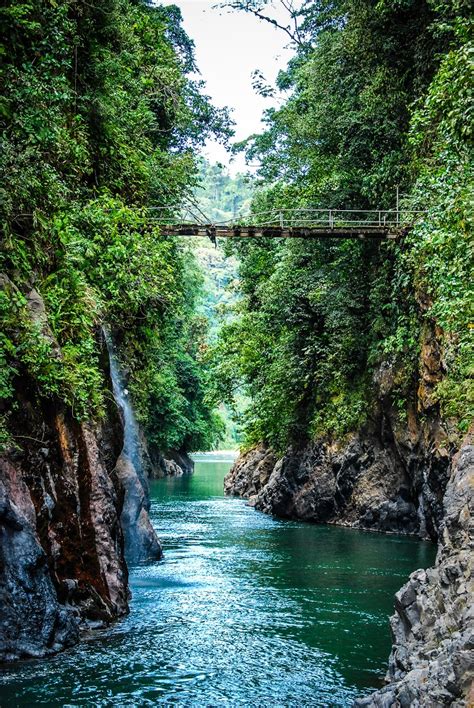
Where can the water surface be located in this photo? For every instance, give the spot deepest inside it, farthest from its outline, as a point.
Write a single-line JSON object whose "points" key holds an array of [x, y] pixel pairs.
{"points": [[245, 610]]}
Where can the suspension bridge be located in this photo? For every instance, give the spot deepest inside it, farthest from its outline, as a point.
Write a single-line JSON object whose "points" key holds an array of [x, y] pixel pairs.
{"points": [[288, 223]]}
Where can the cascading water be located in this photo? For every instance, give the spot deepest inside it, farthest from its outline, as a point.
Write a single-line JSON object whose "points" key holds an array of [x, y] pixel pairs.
{"points": [[141, 542], [131, 433]]}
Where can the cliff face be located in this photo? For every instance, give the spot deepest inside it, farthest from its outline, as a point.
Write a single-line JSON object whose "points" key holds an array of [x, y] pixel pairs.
{"points": [[377, 480], [61, 539], [33, 622], [66, 495], [400, 476], [73, 506], [432, 659], [136, 465]]}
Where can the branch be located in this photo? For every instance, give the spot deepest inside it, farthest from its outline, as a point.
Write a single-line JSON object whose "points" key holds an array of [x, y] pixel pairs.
{"points": [[246, 6]]}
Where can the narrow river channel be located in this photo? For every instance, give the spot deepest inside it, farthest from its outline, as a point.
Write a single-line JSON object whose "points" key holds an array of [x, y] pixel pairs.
{"points": [[244, 610]]}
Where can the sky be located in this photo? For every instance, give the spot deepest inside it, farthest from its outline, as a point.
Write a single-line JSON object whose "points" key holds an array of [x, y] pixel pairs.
{"points": [[228, 47]]}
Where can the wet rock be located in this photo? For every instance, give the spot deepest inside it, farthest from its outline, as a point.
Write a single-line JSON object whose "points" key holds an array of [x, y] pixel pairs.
{"points": [[33, 623], [132, 470], [182, 460], [250, 473], [77, 515], [173, 463], [64, 565], [172, 469], [432, 659], [141, 541], [360, 484]]}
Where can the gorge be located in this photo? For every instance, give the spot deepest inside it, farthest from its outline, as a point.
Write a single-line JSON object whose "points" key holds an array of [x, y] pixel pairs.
{"points": [[341, 367]]}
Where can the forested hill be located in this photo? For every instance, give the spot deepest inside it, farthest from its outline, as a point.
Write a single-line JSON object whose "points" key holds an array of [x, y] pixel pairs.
{"points": [[379, 95], [102, 381], [358, 356], [221, 196], [100, 119]]}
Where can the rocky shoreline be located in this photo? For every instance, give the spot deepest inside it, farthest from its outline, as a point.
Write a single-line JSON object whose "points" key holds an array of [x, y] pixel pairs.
{"points": [[432, 659], [73, 511]]}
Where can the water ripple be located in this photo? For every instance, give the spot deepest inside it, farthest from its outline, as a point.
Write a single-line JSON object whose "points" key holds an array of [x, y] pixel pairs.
{"points": [[244, 610]]}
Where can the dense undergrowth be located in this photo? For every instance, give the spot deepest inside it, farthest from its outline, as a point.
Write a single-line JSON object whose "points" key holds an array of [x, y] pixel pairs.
{"points": [[100, 119], [379, 95]]}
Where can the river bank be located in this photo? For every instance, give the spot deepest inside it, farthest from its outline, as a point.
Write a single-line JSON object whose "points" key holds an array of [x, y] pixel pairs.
{"points": [[431, 662]]}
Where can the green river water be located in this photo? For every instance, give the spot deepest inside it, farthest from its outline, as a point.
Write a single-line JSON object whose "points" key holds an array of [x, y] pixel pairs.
{"points": [[244, 610]]}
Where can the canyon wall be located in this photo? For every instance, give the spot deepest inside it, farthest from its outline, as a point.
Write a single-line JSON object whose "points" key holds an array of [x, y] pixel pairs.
{"points": [[62, 559], [432, 658], [73, 507], [399, 474]]}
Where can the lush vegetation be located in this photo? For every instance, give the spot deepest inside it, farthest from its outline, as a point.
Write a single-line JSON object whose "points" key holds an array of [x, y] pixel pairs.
{"points": [[378, 95], [99, 119], [220, 196]]}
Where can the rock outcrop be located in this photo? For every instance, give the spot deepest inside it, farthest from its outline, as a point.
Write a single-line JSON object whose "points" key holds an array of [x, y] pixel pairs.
{"points": [[33, 622], [432, 659], [364, 483], [174, 463], [131, 473], [61, 508], [141, 541]]}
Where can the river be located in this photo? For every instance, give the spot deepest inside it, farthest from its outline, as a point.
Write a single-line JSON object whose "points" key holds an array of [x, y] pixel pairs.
{"points": [[244, 610]]}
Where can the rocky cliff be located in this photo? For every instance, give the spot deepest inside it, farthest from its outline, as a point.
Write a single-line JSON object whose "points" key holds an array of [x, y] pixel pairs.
{"points": [[131, 471], [61, 547], [373, 481], [175, 463], [432, 659], [68, 496]]}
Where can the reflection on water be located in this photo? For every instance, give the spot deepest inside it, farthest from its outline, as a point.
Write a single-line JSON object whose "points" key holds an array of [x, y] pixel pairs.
{"points": [[243, 610]]}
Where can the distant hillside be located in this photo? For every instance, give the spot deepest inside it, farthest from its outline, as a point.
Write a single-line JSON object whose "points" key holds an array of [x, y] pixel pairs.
{"points": [[221, 196]]}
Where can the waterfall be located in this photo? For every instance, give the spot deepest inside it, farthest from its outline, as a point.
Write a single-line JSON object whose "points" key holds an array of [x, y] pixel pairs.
{"points": [[131, 435], [141, 542]]}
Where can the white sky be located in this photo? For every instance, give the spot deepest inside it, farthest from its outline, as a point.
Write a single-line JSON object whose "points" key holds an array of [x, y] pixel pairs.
{"points": [[228, 47]]}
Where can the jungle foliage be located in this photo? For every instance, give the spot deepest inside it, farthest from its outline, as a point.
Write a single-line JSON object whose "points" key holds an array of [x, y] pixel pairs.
{"points": [[100, 119], [377, 95], [220, 196]]}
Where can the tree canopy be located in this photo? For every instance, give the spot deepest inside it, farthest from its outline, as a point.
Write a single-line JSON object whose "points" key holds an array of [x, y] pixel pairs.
{"points": [[379, 95], [100, 119]]}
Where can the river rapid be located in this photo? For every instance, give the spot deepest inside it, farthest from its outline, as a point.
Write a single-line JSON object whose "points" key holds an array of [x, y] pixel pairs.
{"points": [[244, 610]]}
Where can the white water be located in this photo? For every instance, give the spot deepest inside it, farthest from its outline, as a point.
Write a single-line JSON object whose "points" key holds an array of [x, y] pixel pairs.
{"points": [[131, 436]]}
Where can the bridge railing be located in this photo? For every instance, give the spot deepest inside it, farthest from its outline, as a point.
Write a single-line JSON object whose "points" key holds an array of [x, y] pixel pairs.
{"points": [[288, 218], [329, 218]]}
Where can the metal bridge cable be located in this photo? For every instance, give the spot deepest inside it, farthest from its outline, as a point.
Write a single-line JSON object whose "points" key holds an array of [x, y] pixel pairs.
{"points": [[196, 206]]}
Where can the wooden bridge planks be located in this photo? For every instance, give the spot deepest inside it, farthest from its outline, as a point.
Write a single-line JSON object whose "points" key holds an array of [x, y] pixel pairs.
{"points": [[342, 232]]}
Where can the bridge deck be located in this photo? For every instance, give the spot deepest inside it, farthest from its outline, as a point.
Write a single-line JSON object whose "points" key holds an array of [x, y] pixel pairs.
{"points": [[255, 231]]}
